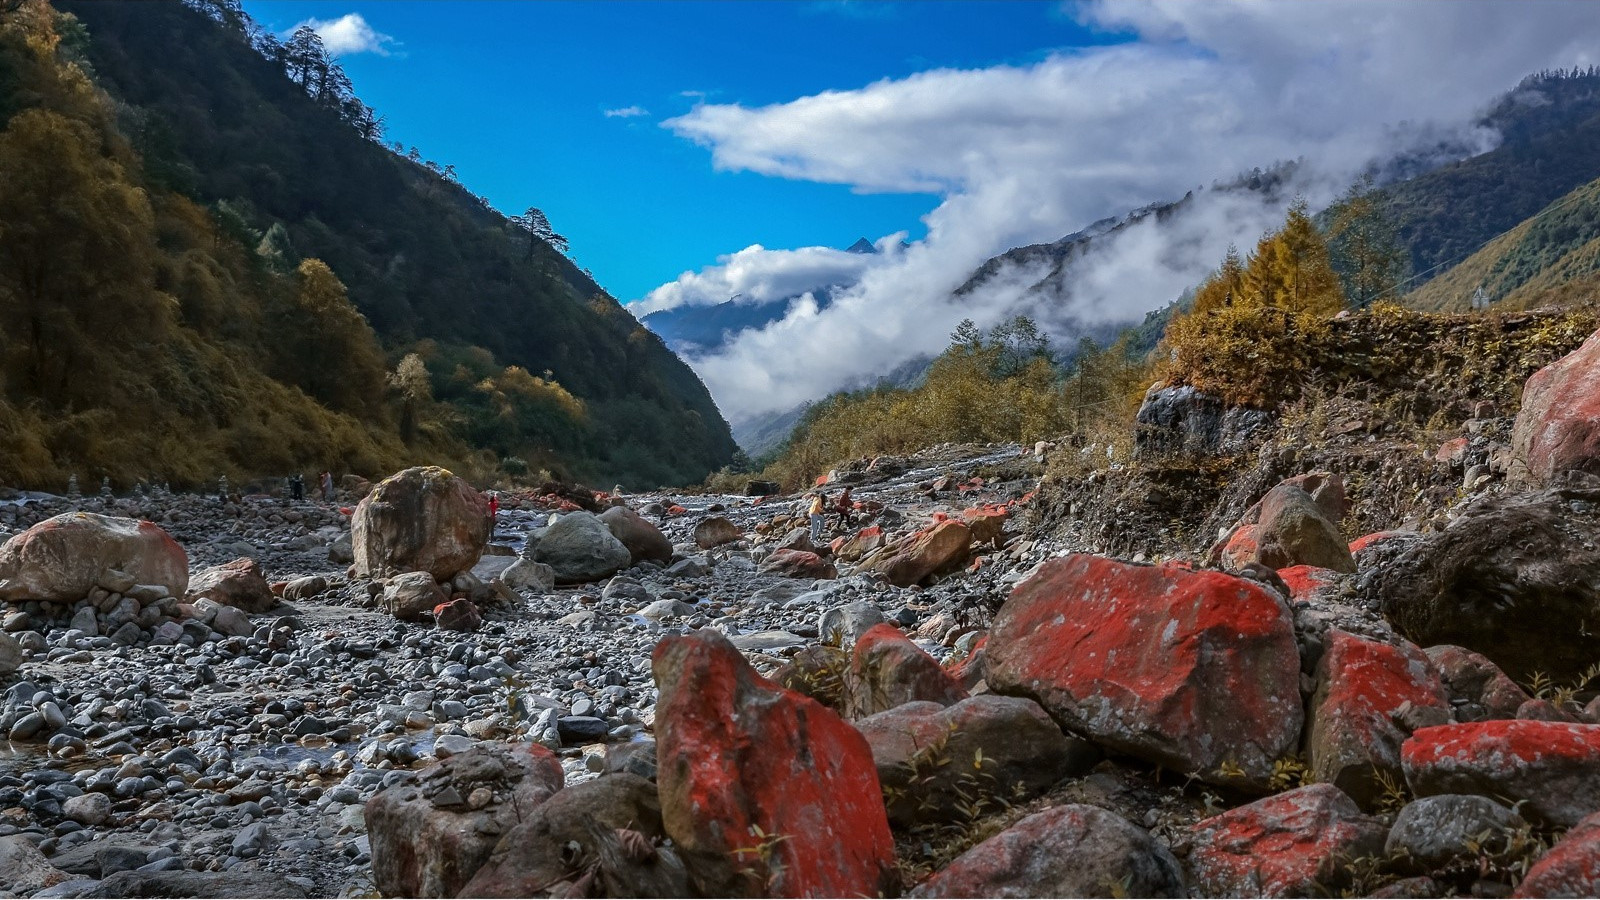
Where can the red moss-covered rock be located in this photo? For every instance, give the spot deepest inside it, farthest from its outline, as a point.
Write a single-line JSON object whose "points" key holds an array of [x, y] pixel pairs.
{"points": [[852, 548], [1240, 548], [1307, 582], [798, 564], [1067, 851], [1361, 685], [428, 839], [1195, 670], [1287, 845], [764, 791], [1558, 427], [887, 669], [239, 583], [1453, 451], [1553, 766], [1571, 868], [422, 519], [457, 615], [64, 557], [937, 549], [1367, 540], [1473, 678], [986, 523]]}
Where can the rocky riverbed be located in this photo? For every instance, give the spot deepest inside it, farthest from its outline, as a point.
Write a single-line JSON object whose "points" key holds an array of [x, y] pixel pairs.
{"points": [[256, 751]]}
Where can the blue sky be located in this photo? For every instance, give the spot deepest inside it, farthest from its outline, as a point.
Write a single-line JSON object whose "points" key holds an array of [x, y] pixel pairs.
{"points": [[515, 95], [767, 133]]}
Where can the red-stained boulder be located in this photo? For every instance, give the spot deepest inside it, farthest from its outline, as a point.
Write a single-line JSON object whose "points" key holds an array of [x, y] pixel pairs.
{"points": [[1195, 670], [1288, 845], [937, 549], [1307, 582], [1240, 548], [457, 615], [1552, 766], [1361, 685], [1487, 692], [764, 792], [1065, 851], [798, 564], [642, 538], [428, 837], [948, 763], [887, 669], [239, 584], [1377, 537], [421, 519], [64, 557], [986, 523], [852, 548], [1453, 452], [1571, 868], [1558, 427]]}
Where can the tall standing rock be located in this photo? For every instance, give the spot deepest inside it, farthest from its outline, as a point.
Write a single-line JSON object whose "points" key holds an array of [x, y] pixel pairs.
{"points": [[1558, 427], [1195, 670], [422, 519], [766, 792], [64, 557]]}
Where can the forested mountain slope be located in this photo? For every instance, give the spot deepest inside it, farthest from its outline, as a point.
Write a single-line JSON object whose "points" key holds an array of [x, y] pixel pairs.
{"points": [[292, 171]]}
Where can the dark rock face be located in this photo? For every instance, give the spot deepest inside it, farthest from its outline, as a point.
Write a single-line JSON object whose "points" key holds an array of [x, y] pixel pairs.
{"points": [[1512, 578], [1181, 419]]}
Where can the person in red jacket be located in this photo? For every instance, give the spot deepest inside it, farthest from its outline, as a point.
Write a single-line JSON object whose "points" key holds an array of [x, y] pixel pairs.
{"points": [[494, 512]]}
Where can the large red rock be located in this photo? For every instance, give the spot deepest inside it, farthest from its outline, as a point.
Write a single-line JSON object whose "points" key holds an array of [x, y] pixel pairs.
{"points": [[887, 669], [1067, 851], [1195, 670], [1571, 868], [940, 548], [642, 538], [1307, 583], [1361, 686], [987, 523], [1558, 427], [949, 763], [1553, 766], [798, 564], [240, 584], [1288, 845], [63, 558], [428, 837], [421, 519], [764, 791]]}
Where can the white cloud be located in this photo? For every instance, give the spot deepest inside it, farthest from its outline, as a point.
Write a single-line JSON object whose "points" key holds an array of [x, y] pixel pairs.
{"points": [[350, 33], [758, 275], [1025, 154], [626, 112]]}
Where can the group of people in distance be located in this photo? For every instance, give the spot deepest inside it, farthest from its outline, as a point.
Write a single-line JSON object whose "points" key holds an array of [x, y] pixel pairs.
{"points": [[844, 507]]}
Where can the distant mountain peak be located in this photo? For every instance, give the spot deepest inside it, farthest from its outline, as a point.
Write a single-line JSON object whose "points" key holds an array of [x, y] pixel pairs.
{"points": [[862, 245]]}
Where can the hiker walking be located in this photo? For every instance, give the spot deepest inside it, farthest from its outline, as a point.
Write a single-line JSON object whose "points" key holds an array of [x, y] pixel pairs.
{"points": [[845, 507], [819, 505]]}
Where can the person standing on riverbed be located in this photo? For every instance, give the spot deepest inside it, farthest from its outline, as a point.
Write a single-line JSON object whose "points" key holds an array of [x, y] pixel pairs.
{"points": [[327, 487], [819, 506], [494, 512]]}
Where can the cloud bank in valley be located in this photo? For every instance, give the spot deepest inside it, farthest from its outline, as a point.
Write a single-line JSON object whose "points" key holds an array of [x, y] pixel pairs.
{"points": [[1026, 154]]}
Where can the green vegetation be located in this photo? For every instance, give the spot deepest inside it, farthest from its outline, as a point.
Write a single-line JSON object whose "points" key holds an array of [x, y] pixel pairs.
{"points": [[1549, 259], [214, 266], [1003, 385]]}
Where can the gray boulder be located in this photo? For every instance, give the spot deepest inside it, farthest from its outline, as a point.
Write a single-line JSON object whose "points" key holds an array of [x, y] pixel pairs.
{"points": [[580, 548]]}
